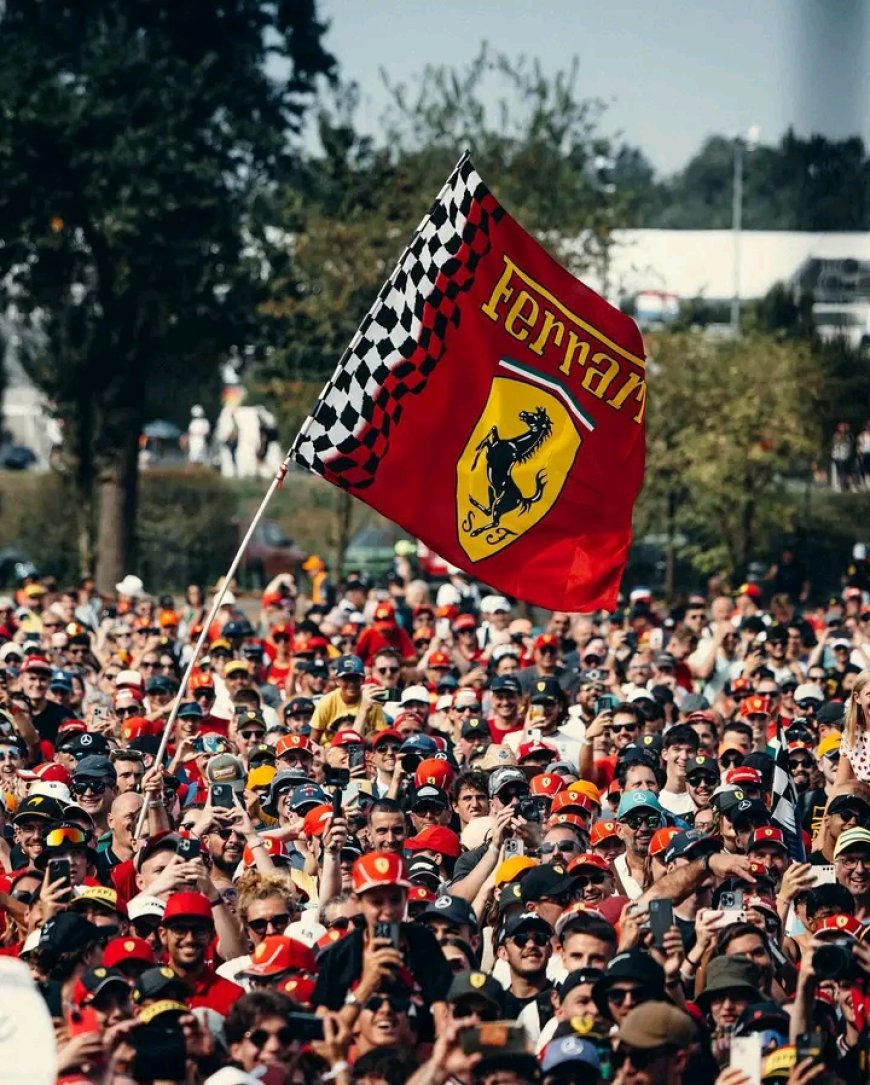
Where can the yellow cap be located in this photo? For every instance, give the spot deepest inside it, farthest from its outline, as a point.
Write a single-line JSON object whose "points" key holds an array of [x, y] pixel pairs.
{"points": [[511, 868], [779, 1063], [165, 1005], [585, 787], [261, 776], [828, 744]]}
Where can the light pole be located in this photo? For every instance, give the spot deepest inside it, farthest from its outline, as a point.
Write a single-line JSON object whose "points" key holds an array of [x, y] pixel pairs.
{"points": [[737, 218]]}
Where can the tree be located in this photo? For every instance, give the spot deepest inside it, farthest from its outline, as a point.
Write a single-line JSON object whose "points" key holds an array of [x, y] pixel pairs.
{"points": [[132, 135], [730, 424]]}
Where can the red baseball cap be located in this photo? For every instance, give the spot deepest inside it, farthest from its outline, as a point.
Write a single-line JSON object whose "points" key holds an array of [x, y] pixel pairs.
{"points": [[203, 680], [314, 822], [277, 953], [378, 737], [435, 771], [546, 640], [567, 819], [274, 845], [130, 948], [768, 834], [347, 737], [661, 838], [465, 621], [838, 925], [288, 743], [379, 868], [546, 784], [756, 705], [187, 906], [603, 830], [141, 727], [35, 663], [585, 860], [299, 988], [47, 772], [420, 894], [533, 746], [743, 774], [440, 659], [435, 838], [570, 800]]}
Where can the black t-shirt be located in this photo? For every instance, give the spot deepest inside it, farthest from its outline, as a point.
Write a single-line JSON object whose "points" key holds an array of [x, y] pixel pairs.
{"points": [[341, 966], [49, 719], [514, 1006]]}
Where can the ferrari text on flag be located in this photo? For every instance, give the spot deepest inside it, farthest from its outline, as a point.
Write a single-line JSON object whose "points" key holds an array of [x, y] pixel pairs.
{"points": [[493, 406]]}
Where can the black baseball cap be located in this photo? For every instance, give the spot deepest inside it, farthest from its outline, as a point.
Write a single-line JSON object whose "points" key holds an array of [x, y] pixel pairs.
{"points": [[506, 683], [298, 706], [451, 909], [546, 880], [476, 984], [524, 921], [159, 983], [86, 745], [475, 729]]}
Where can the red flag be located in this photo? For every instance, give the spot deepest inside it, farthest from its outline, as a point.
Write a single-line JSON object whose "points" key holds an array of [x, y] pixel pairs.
{"points": [[493, 406]]}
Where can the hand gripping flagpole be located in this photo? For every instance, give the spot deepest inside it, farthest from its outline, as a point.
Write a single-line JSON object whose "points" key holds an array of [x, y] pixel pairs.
{"points": [[277, 483]]}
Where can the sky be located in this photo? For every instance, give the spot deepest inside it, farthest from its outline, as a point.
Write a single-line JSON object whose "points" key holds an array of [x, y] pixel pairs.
{"points": [[672, 72]]}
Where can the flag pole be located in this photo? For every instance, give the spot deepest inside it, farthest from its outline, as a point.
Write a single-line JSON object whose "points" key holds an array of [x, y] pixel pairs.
{"points": [[276, 484]]}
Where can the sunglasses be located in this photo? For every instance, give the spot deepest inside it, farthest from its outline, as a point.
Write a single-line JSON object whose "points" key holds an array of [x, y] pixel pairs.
{"points": [[387, 747], [277, 922], [618, 995], [433, 808], [259, 1037], [641, 1058], [471, 709], [387, 670], [537, 938], [731, 761], [397, 1003], [145, 927], [340, 923], [96, 787], [565, 846], [809, 704], [123, 713], [642, 821], [204, 693], [700, 779], [10, 755], [250, 736], [462, 1010], [583, 881], [800, 763], [629, 728], [65, 835]]}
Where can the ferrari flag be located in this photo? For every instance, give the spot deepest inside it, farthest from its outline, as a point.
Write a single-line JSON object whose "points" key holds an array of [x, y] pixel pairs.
{"points": [[493, 406]]}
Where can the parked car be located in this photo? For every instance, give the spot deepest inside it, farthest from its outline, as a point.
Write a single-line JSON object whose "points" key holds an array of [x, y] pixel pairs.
{"points": [[269, 553]]}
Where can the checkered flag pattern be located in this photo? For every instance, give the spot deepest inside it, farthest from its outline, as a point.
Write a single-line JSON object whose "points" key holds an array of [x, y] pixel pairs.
{"points": [[402, 338], [784, 798]]}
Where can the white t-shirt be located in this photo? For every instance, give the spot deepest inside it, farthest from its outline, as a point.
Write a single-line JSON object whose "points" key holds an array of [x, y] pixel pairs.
{"points": [[676, 803]]}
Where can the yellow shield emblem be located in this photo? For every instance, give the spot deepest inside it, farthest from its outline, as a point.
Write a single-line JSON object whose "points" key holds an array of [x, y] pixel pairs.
{"points": [[514, 465], [477, 979]]}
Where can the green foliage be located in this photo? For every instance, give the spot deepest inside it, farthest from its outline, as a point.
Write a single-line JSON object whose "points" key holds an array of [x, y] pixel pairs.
{"points": [[729, 423], [131, 136]]}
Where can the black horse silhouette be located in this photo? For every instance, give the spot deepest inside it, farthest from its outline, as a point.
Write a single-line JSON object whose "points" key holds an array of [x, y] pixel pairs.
{"points": [[502, 456]]}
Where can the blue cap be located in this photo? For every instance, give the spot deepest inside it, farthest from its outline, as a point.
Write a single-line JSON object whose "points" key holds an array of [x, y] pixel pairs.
{"points": [[638, 800], [190, 710], [346, 665], [307, 795], [568, 1049], [419, 744]]}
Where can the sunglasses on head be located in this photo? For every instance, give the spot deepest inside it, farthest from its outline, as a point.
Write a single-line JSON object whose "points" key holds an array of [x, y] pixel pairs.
{"points": [[537, 938], [642, 821], [278, 923], [259, 1037]]}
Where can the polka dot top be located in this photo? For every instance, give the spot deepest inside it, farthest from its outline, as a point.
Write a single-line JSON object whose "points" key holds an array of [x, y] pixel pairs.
{"points": [[858, 755]]}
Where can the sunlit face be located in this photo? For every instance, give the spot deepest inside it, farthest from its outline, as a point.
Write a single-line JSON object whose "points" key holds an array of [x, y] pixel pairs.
{"points": [[382, 904]]}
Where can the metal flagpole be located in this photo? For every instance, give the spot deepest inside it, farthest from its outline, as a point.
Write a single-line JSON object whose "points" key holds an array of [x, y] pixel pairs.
{"points": [[277, 482]]}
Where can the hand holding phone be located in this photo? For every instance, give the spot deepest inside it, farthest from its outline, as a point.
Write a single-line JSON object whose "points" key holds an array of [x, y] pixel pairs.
{"points": [[661, 919], [746, 1056]]}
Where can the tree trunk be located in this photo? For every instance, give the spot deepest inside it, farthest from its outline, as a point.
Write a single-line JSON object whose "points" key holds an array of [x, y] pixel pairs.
{"points": [[118, 488], [343, 521]]}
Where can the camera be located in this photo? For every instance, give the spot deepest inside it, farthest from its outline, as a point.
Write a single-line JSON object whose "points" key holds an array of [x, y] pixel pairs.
{"points": [[410, 761], [835, 961], [528, 808]]}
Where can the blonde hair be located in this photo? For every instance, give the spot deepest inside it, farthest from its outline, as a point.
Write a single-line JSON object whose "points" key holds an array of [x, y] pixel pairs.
{"points": [[254, 886], [855, 721]]}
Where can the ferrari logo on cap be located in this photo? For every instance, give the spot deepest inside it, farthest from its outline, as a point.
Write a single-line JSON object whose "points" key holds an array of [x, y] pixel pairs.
{"points": [[541, 687], [100, 972], [167, 973], [382, 866], [545, 781], [290, 985], [739, 795], [768, 832], [129, 946], [430, 779], [842, 921], [559, 869], [477, 979], [260, 951]]}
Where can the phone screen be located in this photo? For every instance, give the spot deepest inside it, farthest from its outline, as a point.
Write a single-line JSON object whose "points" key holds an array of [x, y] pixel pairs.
{"points": [[746, 1056]]}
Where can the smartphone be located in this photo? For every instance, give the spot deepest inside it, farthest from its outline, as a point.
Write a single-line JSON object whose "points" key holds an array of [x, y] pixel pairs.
{"points": [[823, 874], [59, 871], [731, 903], [160, 1053], [337, 808], [661, 919], [810, 1046], [606, 703], [307, 1027], [514, 847], [222, 796], [188, 849], [494, 1035], [746, 1056], [356, 757], [391, 931], [336, 777]]}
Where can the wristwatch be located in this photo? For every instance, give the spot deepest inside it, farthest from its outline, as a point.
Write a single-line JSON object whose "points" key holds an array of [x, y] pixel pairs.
{"points": [[350, 999]]}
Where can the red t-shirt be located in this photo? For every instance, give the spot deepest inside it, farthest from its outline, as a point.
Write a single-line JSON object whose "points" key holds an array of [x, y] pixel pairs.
{"points": [[498, 733], [215, 992]]}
